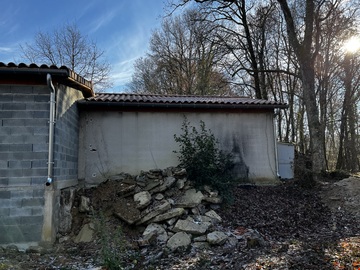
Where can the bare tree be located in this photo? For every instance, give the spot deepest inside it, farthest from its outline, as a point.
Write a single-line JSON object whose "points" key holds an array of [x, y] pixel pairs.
{"points": [[66, 46], [184, 58]]}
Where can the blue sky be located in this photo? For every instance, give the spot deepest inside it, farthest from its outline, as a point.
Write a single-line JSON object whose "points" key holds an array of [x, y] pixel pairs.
{"points": [[121, 28]]}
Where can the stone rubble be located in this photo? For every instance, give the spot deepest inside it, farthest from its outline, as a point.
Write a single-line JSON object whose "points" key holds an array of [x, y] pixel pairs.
{"points": [[176, 215]]}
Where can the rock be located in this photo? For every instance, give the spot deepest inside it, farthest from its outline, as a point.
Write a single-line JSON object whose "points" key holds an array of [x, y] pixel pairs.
{"points": [[159, 197], [142, 199], [215, 200], [190, 199], [180, 183], [152, 184], [253, 239], [175, 212], [155, 231], [216, 238], [180, 172], [200, 245], [168, 182], [126, 210], [154, 212], [66, 203], [84, 205], [36, 249], [191, 226], [180, 240], [212, 214], [86, 234]]}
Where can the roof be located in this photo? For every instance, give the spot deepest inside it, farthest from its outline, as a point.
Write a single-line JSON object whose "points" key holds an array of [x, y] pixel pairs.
{"points": [[177, 101], [12, 73]]}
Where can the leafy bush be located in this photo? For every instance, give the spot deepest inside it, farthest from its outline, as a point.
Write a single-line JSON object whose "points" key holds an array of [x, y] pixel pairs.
{"points": [[205, 163]]}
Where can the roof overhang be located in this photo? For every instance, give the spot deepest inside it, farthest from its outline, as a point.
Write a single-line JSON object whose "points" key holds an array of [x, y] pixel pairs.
{"points": [[135, 102], [35, 75]]}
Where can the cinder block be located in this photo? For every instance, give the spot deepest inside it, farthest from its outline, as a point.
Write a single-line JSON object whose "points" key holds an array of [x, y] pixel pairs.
{"points": [[10, 221], [41, 131], [21, 194], [41, 114], [20, 212], [23, 98], [38, 193], [4, 182], [17, 164], [21, 130], [32, 202], [19, 181], [3, 164], [20, 147], [14, 106], [10, 203], [6, 97], [38, 106], [5, 130], [32, 220], [22, 114], [6, 114], [42, 98], [4, 212], [4, 147], [40, 147], [5, 194], [37, 211], [39, 164]]}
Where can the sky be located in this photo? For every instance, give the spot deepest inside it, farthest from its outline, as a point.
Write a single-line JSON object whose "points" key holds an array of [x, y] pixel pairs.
{"points": [[121, 28]]}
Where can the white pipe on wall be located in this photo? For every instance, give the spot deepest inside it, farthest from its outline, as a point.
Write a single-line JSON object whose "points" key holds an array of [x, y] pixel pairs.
{"points": [[51, 130]]}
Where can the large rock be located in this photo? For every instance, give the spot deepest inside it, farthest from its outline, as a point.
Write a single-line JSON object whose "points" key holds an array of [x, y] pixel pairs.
{"points": [[84, 204], [175, 212], [86, 234], [155, 232], [151, 213], [191, 226], [142, 199], [213, 215], [180, 240], [190, 199], [126, 210], [66, 203], [216, 238], [168, 182]]}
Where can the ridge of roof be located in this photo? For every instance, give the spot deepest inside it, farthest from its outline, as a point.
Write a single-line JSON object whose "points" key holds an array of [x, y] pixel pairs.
{"points": [[62, 74], [121, 99]]}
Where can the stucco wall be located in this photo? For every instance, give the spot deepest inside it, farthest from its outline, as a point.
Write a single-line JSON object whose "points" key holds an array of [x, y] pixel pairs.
{"points": [[113, 142], [24, 117]]}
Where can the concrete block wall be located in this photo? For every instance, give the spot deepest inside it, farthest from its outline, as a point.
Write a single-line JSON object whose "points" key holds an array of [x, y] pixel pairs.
{"points": [[24, 127], [66, 143], [24, 113]]}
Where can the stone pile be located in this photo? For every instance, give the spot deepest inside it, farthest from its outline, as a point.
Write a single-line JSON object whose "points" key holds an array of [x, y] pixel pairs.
{"points": [[174, 213]]}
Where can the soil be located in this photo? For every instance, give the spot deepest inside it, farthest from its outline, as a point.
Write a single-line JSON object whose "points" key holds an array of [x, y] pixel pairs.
{"points": [[300, 228]]}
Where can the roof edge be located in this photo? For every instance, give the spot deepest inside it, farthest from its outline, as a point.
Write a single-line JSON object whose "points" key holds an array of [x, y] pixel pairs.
{"points": [[124, 104], [62, 75]]}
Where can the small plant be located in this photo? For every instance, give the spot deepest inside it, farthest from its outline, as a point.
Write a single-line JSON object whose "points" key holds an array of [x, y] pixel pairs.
{"points": [[113, 246], [205, 163]]}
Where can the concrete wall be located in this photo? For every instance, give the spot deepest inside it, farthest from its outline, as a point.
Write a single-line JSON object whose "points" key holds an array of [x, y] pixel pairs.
{"points": [[24, 116], [113, 142]]}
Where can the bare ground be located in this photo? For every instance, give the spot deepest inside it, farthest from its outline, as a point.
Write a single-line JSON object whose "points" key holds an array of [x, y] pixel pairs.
{"points": [[298, 230]]}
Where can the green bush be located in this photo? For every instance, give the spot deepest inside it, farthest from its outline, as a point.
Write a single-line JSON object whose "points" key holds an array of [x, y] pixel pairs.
{"points": [[205, 163]]}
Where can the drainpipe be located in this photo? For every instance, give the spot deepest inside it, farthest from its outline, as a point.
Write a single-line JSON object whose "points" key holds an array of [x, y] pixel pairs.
{"points": [[276, 145], [51, 130]]}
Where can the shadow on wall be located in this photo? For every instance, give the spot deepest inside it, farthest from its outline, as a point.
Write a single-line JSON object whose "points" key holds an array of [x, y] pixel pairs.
{"points": [[240, 170]]}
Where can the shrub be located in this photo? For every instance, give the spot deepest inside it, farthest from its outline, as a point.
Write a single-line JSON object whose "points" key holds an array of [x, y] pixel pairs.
{"points": [[205, 163]]}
